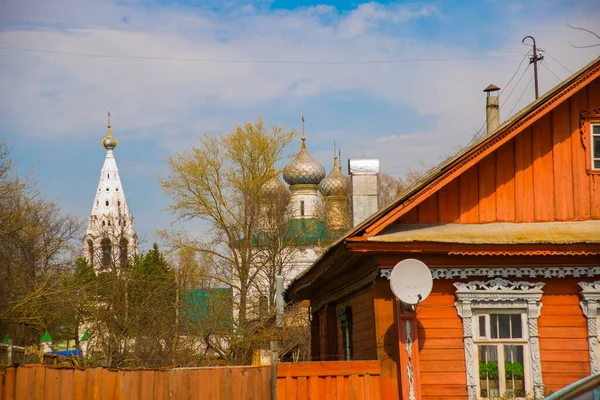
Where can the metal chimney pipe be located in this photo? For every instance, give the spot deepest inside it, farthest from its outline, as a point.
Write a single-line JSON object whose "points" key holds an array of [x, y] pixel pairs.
{"points": [[365, 188], [492, 108]]}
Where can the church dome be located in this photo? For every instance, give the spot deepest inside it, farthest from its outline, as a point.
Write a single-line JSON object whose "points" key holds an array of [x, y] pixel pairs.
{"points": [[109, 142], [336, 183], [304, 170], [273, 188]]}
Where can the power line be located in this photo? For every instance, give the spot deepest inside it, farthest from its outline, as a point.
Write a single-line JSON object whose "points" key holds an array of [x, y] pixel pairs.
{"points": [[514, 87], [220, 61], [519, 99], [515, 74], [481, 129], [549, 70], [558, 62]]}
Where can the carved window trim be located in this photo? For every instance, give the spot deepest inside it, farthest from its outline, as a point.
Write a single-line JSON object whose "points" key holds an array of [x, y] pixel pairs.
{"points": [[500, 294], [590, 303], [586, 119]]}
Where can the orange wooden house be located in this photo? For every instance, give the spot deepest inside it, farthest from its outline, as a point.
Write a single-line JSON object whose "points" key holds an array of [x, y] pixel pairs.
{"points": [[510, 229]]}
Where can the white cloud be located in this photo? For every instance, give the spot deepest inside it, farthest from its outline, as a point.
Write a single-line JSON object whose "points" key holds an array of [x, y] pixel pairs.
{"points": [[54, 95]]}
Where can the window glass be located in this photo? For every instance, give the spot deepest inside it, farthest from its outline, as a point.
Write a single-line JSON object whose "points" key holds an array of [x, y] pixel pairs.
{"points": [[516, 326], [504, 326], [494, 326], [482, 326], [489, 384], [514, 371], [596, 146]]}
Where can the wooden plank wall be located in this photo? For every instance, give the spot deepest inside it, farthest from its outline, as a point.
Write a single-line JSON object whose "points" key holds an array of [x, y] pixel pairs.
{"points": [[295, 381], [442, 359], [563, 335], [540, 175], [335, 380], [363, 327], [47, 383]]}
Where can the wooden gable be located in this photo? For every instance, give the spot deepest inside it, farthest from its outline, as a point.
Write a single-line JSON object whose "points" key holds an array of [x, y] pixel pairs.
{"points": [[538, 176], [534, 168]]}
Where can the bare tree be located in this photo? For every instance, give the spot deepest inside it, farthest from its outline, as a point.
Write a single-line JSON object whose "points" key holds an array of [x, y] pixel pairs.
{"points": [[219, 181], [36, 247]]}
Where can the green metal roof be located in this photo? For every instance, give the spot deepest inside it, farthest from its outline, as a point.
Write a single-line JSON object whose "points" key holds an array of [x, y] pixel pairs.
{"points": [[208, 308], [302, 231]]}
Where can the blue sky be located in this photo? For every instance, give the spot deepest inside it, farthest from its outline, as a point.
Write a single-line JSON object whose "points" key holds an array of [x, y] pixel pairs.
{"points": [[53, 106]]}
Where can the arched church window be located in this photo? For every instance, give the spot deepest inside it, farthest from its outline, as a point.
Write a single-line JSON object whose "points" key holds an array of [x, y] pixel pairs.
{"points": [[103, 223], [302, 208], [119, 203], [106, 203], [108, 176], [123, 248], [106, 252]]}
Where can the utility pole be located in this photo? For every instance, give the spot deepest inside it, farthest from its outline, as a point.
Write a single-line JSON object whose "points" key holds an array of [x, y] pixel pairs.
{"points": [[533, 59]]}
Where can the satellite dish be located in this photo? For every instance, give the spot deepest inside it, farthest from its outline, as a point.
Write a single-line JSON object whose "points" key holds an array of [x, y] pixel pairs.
{"points": [[411, 281]]}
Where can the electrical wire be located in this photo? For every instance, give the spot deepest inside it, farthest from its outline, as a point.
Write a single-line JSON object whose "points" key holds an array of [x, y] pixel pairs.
{"points": [[515, 74], [558, 62], [549, 70], [513, 89], [218, 61], [519, 99]]}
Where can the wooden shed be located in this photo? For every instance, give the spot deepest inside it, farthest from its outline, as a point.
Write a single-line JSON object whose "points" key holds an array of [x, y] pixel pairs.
{"points": [[510, 229]]}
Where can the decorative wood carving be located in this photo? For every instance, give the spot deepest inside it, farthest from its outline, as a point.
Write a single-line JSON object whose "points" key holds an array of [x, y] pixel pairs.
{"points": [[542, 272], [409, 369], [584, 118], [589, 304], [500, 293]]}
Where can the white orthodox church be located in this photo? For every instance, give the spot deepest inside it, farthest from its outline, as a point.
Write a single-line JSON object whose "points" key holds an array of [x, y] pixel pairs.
{"points": [[311, 226], [110, 236]]}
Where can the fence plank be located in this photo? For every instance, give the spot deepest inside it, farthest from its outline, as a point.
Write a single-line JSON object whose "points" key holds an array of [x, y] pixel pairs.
{"points": [[52, 385], [147, 385], [299, 381], [23, 387], [38, 382]]}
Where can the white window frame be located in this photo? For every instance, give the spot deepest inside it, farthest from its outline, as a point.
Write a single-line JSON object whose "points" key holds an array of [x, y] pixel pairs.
{"points": [[500, 342], [590, 304], [593, 157], [501, 296]]}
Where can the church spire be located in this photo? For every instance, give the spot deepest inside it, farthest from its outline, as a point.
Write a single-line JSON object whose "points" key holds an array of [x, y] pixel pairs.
{"points": [[303, 137], [110, 225]]}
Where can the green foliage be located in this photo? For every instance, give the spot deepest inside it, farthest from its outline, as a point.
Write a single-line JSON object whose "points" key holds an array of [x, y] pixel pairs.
{"points": [[84, 273], [513, 369], [488, 370]]}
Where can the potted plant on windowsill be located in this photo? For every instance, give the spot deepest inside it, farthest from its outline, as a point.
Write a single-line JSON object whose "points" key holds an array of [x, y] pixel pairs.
{"points": [[488, 371]]}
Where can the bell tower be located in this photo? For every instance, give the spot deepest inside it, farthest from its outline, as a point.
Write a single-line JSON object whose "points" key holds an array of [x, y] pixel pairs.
{"points": [[110, 237]]}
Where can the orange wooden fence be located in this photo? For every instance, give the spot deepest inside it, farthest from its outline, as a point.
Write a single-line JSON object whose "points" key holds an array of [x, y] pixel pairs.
{"points": [[329, 380], [295, 381]]}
